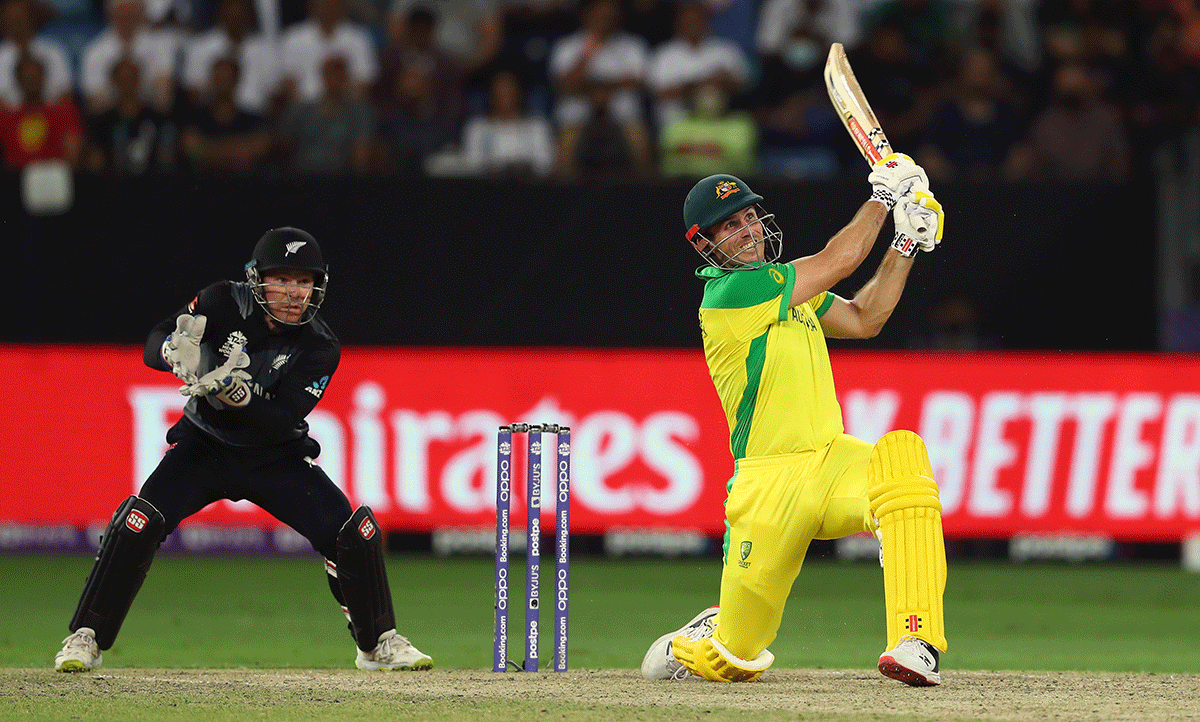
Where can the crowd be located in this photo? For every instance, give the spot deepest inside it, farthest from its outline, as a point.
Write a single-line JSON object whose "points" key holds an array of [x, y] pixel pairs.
{"points": [[974, 89]]}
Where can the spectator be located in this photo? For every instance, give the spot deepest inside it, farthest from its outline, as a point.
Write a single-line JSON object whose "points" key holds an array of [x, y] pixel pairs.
{"points": [[218, 135], [800, 137], [19, 20], [924, 26], [1078, 137], [471, 32], [798, 32], [36, 130], [304, 47], [419, 49], [128, 34], [130, 139], [902, 91], [973, 134], [691, 59], [508, 140], [599, 73], [1167, 104], [531, 30], [332, 135], [650, 20], [414, 125], [234, 36], [1009, 29], [710, 139]]}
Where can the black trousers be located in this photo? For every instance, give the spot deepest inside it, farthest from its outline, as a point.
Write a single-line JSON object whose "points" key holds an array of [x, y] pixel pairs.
{"points": [[198, 470]]}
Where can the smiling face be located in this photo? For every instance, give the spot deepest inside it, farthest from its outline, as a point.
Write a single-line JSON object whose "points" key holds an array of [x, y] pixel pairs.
{"points": [[739, 239], [288, 292]]}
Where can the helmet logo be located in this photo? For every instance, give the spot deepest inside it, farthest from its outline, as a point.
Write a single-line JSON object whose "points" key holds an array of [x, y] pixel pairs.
{"points": [[726, 189], [293, 247]]}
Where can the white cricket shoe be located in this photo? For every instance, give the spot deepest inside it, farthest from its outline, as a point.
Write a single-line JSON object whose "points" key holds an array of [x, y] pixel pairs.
{"points": [[660, 662], [79, 653], [913, 661], [393, 653]]}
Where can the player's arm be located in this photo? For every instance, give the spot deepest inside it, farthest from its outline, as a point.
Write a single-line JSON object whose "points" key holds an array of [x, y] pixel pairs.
{"points": [[864, 315], [919, 223], [891, 178], [844, 253]]}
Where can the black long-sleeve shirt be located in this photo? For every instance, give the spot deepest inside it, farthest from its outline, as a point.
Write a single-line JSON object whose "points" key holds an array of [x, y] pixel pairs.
{"points": [[289, 369]]}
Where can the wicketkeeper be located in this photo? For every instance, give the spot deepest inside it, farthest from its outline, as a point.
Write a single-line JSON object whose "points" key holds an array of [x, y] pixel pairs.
{"points": [[254, 357], [797, 475]]}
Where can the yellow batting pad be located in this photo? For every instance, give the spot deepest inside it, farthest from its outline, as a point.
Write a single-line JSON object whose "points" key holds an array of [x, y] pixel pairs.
{"points": [[710, 659], [904, 500]]}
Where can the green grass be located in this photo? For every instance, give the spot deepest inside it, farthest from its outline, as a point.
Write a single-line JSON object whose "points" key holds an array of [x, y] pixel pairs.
{"points": [[278, 613]]}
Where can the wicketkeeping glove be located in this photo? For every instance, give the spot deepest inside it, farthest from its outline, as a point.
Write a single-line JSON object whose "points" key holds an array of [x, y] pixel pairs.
{"points": [[919, 223], [181, 349], [226, 383], [894, 177]]}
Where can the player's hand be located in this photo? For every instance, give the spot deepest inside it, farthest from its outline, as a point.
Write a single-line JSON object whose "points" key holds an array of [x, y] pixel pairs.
{"points": [[894, 177], [919, 223], [227, 382], [181, 350]]}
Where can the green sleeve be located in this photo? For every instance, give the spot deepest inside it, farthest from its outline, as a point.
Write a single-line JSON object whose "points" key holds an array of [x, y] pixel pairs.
{"points": [[751, 287], [826, 302]]}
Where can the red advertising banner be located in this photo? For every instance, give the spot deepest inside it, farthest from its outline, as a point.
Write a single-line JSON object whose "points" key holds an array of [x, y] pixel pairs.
{"points": [[1020, 443]]}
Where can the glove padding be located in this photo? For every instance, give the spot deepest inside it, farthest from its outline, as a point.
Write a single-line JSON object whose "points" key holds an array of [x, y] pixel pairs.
{"points": [[227, 382], [919, 223], [896, 175], [181, 349]]}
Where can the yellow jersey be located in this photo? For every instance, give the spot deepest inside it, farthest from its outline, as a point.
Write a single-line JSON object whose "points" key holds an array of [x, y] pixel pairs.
{"points": [[768, 361]]}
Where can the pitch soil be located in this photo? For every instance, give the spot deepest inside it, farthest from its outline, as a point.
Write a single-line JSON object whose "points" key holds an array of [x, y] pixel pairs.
{"points": [[1064, 696]]}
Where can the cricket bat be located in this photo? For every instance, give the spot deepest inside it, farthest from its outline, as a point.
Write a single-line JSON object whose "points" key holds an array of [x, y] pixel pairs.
{"points": [[854, 110]]}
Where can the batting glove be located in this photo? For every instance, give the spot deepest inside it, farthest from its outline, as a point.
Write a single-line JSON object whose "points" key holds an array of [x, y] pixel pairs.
{"points": [[181, 349], [226, 383], [919, 223], [894, 177]]}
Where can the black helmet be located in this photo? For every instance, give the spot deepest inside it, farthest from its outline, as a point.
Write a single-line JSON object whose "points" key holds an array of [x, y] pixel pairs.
{"points": [[288, 248]]}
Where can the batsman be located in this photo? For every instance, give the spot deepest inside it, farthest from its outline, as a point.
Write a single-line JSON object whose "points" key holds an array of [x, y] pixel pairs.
{"points": [[797, 475], [254, 358]]}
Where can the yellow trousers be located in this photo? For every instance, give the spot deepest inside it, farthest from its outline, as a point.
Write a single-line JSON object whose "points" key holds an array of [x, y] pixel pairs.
{"points": [[776, 506]]}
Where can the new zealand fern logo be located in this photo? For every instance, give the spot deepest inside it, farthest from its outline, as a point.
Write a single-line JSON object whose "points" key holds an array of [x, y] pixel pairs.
{"points": [[745, 550]]}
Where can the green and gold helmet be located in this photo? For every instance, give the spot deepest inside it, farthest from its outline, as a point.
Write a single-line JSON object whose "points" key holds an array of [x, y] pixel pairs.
{"points": [[716, 198]]}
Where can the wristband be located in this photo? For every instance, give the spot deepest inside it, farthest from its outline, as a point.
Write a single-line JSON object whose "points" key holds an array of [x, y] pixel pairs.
{"points": [[236, 394], [884, 196], [906, 246]]}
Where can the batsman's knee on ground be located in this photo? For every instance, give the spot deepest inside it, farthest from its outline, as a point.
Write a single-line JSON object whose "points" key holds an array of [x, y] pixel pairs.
{"points": [[904, 500]]}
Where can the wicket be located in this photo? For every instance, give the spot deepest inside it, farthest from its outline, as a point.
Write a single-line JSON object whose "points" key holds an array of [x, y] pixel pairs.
{"points": [[533, 535]]}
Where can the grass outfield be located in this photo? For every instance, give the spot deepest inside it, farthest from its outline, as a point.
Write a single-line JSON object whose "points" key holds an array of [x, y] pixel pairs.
{"points": [[258, 613]]}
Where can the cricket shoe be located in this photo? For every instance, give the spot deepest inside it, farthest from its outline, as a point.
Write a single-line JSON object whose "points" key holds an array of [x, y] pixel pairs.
{"points": [[79, 653], [660, 662], [913, 661], [393, 653]]}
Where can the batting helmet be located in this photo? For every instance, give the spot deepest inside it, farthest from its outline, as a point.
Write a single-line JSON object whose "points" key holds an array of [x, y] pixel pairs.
{"points": [[714, 199], [288, 248]]}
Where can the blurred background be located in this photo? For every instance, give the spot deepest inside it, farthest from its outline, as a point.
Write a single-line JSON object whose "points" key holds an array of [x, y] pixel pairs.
{"points": [[497, 186]]}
